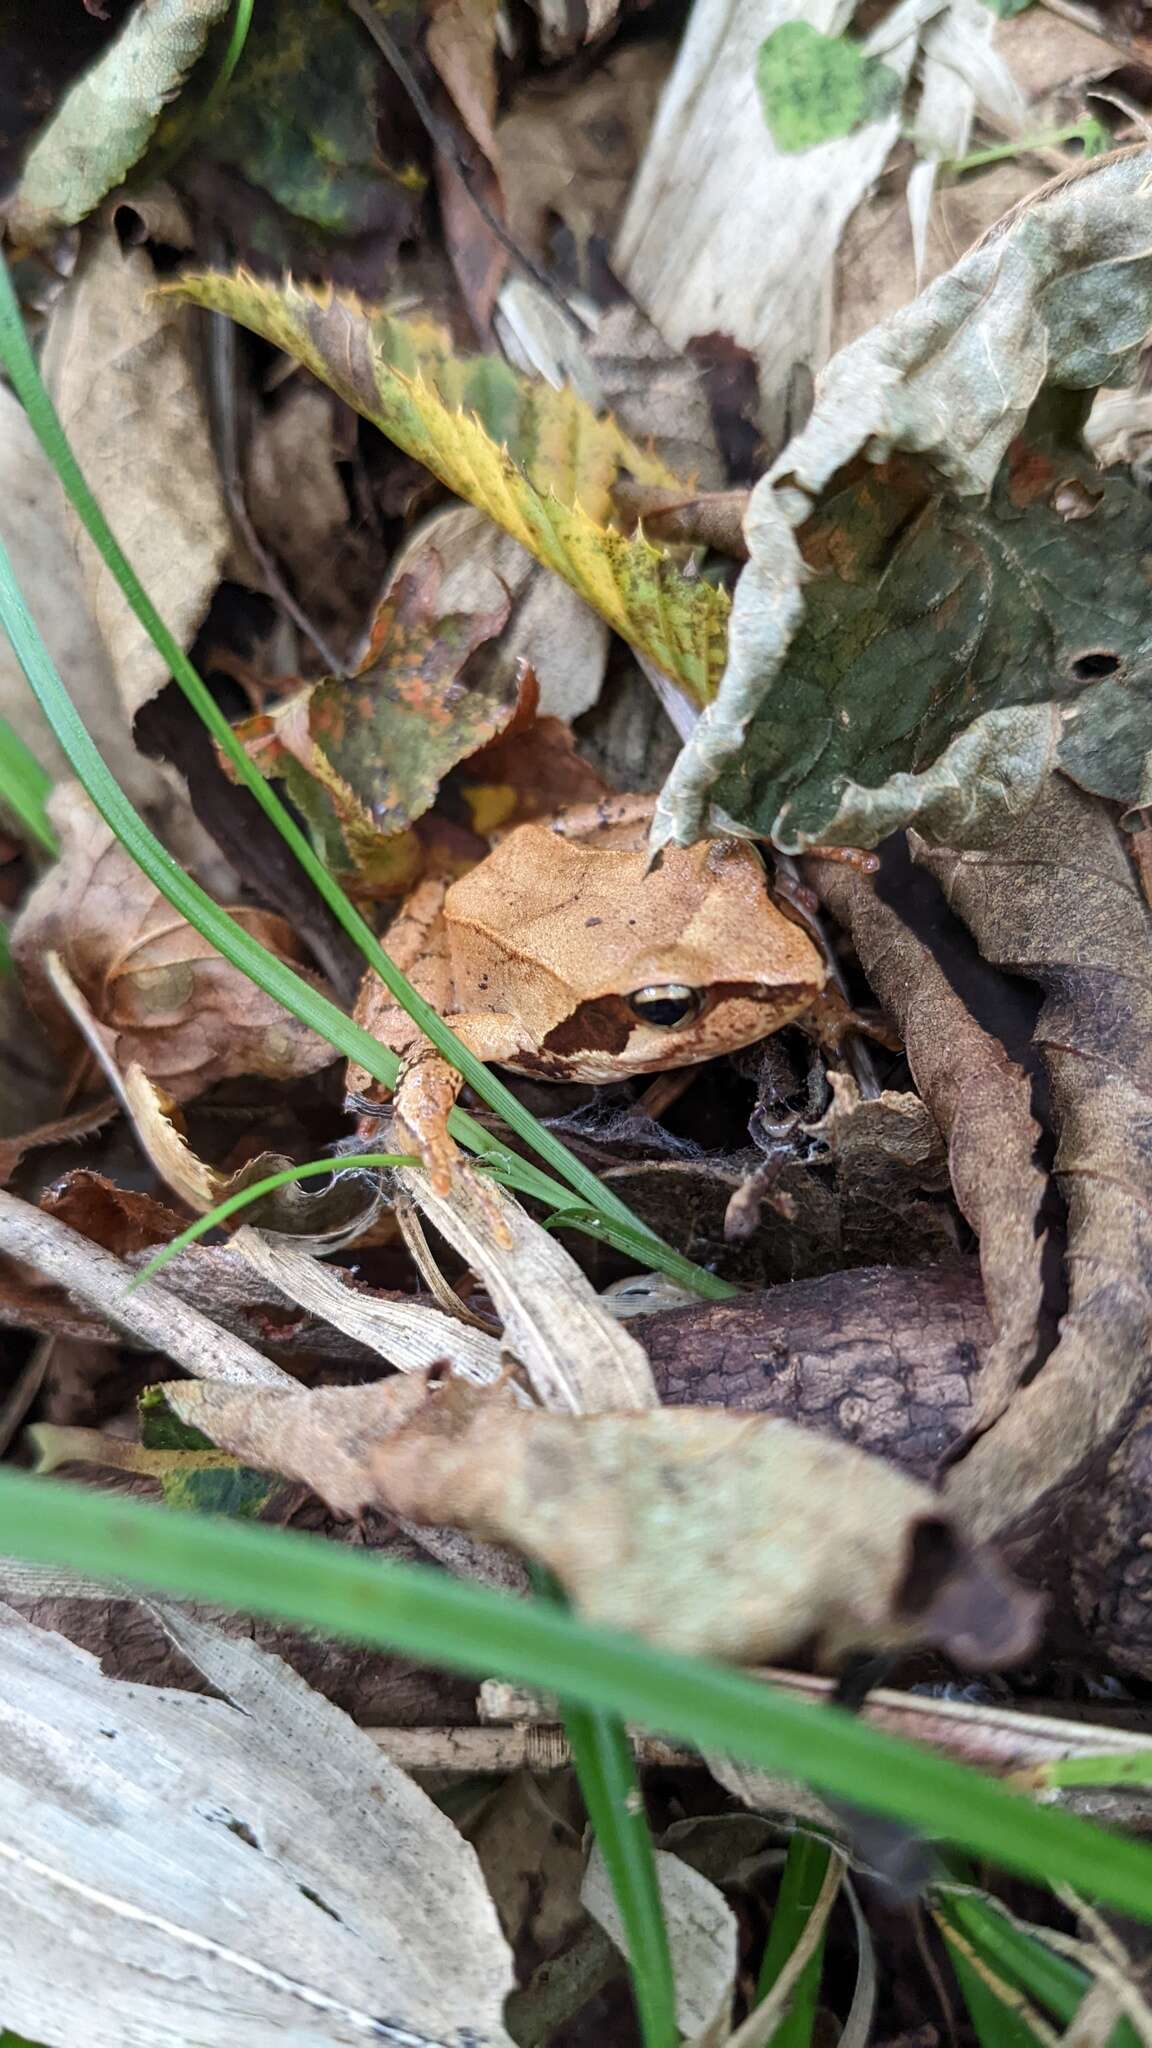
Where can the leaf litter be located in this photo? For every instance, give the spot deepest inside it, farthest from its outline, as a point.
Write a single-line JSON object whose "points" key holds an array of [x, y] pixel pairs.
{"points": [[941, 625]]}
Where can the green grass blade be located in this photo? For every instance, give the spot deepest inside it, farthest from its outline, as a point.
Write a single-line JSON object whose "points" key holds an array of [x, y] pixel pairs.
{"points": [[24, 788], [1120, 1767], [505, 1167], [805, 1869], [995, 2024], [1022, 1960], [17, 358], [624, 1237], [605, 1767], [606, 1770], [443, 1621]]}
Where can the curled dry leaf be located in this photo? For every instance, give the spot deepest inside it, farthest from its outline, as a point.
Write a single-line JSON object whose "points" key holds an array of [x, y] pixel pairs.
{"points": [[575, 1354], [780, 1537], [1059, 297], [363, 756], [314, 1217], [298, 503], [160, 993], [1058, 901], [120, 363], [982, 1101], [225, 1870]]}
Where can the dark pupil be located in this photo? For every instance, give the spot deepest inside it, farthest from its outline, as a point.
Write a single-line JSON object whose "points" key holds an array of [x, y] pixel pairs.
{"points": [[668, 1010]]}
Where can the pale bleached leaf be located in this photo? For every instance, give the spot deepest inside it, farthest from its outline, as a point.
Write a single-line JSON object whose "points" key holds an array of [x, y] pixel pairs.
{"points": [[224, 1872]]}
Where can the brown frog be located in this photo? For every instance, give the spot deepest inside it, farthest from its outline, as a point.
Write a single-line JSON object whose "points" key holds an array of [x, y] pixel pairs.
{"points": [[563, 955]]}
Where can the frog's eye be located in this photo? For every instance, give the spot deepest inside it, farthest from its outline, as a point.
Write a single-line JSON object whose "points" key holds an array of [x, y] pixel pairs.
{"points": [[669, 1003]]}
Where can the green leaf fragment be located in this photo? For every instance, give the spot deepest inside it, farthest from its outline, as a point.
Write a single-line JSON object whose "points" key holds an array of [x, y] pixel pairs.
{"points": [[186, 1466], [814, 87], [948, 649], [301, 123]]}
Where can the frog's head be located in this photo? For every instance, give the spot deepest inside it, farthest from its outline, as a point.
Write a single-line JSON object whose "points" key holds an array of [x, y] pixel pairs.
{"points": [[613, 968]]}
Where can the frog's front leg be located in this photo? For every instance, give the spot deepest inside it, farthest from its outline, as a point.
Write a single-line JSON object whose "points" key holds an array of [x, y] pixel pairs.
{"points": [[427, 1087]]}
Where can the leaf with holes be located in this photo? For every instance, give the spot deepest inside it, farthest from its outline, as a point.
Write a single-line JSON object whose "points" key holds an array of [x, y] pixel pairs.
{"points": [[536, 460], [951, 653]]}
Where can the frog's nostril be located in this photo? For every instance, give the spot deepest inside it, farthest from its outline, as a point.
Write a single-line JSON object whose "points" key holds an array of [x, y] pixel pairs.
{"points": [[669, 1003]]}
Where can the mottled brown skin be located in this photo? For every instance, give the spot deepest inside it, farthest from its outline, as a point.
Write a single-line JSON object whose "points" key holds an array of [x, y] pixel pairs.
{"points": [[544, 957]]}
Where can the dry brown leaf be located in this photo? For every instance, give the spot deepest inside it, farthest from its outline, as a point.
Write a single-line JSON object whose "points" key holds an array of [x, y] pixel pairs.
{"points": [[34, 528], [62, 1130], [327, 1438], [779, 1537], [120, 365], [703, 1935], [711, 519], [314, 1217], [461, 42], [528, 1837], [161, 995], [570, 153], [297, 503], [550, 627], [1048, 52], [982, 1103], [534, 772], [123, 1220], [877, 259], [1058, 902], [658, 394]]}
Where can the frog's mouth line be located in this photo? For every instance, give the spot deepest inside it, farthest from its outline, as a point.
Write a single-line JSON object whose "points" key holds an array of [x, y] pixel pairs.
{"points": [[605, 1024]]}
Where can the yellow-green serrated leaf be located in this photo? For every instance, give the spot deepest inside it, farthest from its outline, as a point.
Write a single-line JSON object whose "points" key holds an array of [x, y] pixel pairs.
{"points": [[536, 460]]}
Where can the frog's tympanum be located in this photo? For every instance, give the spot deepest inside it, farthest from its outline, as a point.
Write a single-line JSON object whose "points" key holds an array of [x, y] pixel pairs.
{"points": [[563, 955]]}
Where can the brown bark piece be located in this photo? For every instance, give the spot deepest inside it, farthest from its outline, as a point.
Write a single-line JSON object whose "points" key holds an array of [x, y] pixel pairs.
{"points": [[887, 1358]]}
